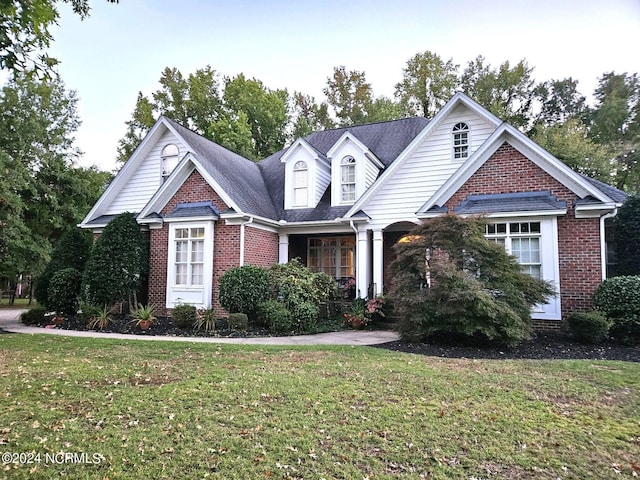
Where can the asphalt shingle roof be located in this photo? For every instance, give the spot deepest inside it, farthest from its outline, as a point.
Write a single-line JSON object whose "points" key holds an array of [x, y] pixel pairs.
{"points": [[510, 202]]}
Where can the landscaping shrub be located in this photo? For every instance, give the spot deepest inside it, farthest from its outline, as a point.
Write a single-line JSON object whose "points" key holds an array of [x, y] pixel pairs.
{"points": [[475, 288], [238, 321], [183, 315], [589, 327], [276, 316], [63, 291], [118, 262], [618, 298], [243, 289], [71, 251], [33, 316], [627, 236], [305, 317]]}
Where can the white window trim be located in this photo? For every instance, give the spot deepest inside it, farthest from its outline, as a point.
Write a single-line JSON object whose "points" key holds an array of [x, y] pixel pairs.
{"points": [[349, 161], [168, 163], [300, 166], [453, 141], [199, 295], [550, 262], [338, 258]]}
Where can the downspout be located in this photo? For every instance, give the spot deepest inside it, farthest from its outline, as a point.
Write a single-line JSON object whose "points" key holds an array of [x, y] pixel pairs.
{"points": [[603, 243], [242, 239]]}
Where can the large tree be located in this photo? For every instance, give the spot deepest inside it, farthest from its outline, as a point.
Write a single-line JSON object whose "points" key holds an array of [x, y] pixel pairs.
{"points": [[25, 30], [47, 192], [506, 91], [350, 96], [428, 83]]}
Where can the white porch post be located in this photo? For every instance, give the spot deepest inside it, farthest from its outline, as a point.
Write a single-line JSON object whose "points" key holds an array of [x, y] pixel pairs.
{"points": [[378, 262], [362, 264], [283, 248]]}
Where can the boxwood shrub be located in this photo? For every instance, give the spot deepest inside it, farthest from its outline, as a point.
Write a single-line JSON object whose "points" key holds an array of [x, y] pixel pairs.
{"points": [[588, 327], [183, 315], [243, 289], [618, 298]]}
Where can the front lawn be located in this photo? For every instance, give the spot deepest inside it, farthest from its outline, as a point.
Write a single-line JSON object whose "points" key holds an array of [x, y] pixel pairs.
{"points": [[134, 409]]}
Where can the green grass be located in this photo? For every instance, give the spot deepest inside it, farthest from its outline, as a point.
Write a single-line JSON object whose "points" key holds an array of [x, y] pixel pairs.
{"points": [[167, 410], [18, 303]]}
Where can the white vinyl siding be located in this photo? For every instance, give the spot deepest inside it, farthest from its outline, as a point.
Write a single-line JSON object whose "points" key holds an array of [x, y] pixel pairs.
{"points": [[425, 171], [144, 181]]}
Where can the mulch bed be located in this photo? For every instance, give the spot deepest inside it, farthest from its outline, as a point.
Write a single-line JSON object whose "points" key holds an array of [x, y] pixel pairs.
{"points": [[544, 346]]}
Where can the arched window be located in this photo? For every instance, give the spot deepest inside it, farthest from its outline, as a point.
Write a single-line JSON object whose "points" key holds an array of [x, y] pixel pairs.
{"points": [[460, 140], [170, 154], [300, 185], [348, 179]]}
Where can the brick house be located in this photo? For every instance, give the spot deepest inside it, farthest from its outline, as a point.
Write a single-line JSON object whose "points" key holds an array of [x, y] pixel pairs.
{"points": [[340, 199]]}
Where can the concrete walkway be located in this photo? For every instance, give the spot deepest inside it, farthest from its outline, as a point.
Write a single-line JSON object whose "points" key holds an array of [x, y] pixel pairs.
{"points": [[10, 322]]}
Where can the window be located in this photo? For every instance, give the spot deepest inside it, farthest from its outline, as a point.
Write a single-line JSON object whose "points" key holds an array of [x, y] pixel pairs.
{"points": [[189, 257], [348, 179], [334, 256], [460, 140], [300, 185], [169, 156], [522, 240]]}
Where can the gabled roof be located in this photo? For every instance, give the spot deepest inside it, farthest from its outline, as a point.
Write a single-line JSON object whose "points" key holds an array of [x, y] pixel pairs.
{"points": [[386, 140]]}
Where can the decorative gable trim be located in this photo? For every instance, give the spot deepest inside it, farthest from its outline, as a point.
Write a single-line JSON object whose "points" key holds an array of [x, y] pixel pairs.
{"points": [[349, 137], [536, 154], [318, 175], [458, 99]]}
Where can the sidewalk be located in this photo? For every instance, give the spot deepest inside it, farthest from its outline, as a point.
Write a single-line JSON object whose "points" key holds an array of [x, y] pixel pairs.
{"points": [[10, 322]]}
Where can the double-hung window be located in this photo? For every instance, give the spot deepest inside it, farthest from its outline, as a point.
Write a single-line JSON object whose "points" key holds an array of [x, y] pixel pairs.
{"points": [[189, 257], [522, 240], [300, 185], [348, 180], [460, 134]]}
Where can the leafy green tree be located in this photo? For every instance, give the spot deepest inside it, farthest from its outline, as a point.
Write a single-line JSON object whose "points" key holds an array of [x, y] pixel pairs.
{"points": [[627, 236], [265, 109], [308, 116], [559, 101], [71, 251], [142, 120], [47, 192], [350, 96], [449, 280], [25, 30], [614, 121], [118, 263], [506, 91], [428, 83]]}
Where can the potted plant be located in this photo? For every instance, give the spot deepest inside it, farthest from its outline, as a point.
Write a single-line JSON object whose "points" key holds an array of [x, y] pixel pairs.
{"points": [[357, 317], [100, 319], [58, 319], [144, 315]]}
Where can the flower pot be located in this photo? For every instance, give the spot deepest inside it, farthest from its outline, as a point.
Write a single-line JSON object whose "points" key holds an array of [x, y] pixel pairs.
{"points": [[58, 320], [145, 324]]}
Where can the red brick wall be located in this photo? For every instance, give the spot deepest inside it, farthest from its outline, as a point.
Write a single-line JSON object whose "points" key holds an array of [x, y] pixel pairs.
{"points": [[226, 242], [509, 171], [260, 247]]}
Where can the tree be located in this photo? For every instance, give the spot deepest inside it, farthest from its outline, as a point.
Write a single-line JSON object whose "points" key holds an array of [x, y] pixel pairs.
{"points": [[308, 116], [559, 102], [507, 91], [428, 83], [25, 30], [47, 192], [614, 121], [141, 121], [118, 263], [449, 280], [627, 236], [350, 96]]}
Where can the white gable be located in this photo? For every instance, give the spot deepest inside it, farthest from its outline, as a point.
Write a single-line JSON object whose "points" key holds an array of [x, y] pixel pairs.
{"points": [[146, 178], [425, 169], [318, 174]]}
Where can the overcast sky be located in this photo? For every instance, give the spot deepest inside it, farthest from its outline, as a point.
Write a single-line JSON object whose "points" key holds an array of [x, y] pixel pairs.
{"points": [[122, 49]]}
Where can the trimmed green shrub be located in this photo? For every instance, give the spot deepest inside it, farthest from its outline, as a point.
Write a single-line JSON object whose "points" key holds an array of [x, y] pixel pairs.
{"points": [[118, 262], [63, 291], [33, 316], [451, 281], [243, 289], [276, 316], [71, 251], [238, 321], [627, 236], [619, 299], [183, 315], [305, 316], [588, 327]]}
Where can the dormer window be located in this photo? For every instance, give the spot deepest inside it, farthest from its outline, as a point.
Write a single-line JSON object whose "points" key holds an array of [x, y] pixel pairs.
{"points": [[170, 154], [460, 134], [348, 179], [300, 185]]}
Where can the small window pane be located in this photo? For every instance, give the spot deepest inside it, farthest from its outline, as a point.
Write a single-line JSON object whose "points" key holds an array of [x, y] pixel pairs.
{"points": [[181, 251], [182, 233], [534, 227], [501, 228], [197, 233], [197, 274], [181, 274], [514, 228]]}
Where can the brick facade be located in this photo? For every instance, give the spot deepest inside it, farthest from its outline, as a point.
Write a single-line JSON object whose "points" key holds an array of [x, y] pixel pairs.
{"points": [[509, 171], [260, 247]]}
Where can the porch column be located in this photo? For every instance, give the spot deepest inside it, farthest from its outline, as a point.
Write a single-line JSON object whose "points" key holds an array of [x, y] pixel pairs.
{"points": [[362, 264], [283, 248], [378, 262]]}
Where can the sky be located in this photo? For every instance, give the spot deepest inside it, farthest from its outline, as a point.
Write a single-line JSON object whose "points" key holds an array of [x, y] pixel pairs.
{"points": [[122, 49]]}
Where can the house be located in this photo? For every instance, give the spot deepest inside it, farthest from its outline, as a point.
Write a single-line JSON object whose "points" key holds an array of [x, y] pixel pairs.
{"points": [[340, 199]]}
